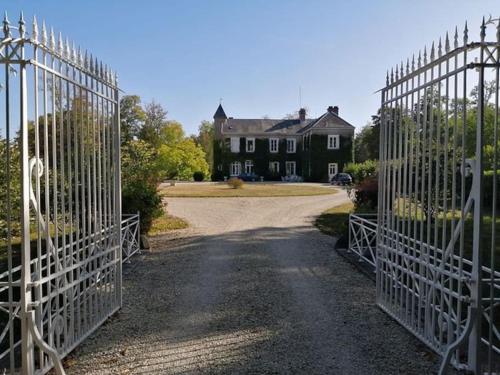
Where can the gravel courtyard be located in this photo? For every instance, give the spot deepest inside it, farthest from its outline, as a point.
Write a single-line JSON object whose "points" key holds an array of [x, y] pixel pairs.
{"points": [[251, 288]]}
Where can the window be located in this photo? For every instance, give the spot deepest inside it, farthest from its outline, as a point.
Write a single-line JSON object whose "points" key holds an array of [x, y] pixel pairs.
{"points": [[235, 168], [333, 142], [290, 145], [235, 144], [274, 166], [273, 144], [290, 168], [332, 169], [248, 166], [250, 144]]}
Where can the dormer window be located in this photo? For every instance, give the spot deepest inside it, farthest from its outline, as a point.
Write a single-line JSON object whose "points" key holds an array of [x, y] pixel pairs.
{"points": [[333, 142], [291, 145], [273, 145], [250, 144]]}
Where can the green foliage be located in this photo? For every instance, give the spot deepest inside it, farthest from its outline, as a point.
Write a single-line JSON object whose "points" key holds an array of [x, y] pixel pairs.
{"points": [[156, 117], [181, 160], [140, 179], [205, 139], [366, 142], [10, 168], [360, 171], [235, 183], [198, 176], [142, 197], [366, 195], [132, 117]]}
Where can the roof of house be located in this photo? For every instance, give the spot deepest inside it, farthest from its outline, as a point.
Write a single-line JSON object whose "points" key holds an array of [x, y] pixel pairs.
{"points": [[278, 126]]}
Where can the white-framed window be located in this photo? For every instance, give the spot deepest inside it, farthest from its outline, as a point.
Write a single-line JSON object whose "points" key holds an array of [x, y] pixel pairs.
{"points": [[333, 142], [248, 166], [290, 168], [333, 169], [235, 168], [274, 166], [250, 144], [273, 145], [291, 145], [235, 144]]}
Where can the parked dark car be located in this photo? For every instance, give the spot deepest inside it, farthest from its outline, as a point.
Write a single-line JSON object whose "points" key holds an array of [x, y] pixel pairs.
{"points": [[248, 177], [341, 179]]}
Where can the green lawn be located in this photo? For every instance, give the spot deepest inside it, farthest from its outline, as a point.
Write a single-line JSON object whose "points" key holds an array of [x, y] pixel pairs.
{"points": [[335, 221], [248, 190], [166, 223]]}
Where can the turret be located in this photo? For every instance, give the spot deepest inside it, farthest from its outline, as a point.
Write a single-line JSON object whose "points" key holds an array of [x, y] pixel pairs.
{"points": [[219, 119]]}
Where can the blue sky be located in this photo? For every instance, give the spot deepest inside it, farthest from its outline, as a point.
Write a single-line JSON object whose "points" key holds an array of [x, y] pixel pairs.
{"points": [[186, 54]]}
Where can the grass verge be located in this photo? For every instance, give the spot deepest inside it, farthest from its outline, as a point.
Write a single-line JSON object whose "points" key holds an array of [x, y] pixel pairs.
{"points": [[335, 221], [248, 190], [166, 223]]}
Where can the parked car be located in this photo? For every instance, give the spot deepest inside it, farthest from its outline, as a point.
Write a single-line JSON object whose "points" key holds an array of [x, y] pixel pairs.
{"points": [[248, 177], [341, 179]]}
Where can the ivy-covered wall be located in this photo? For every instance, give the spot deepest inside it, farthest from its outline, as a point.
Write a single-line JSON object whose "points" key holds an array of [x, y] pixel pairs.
{"points": [[311, 163], [317, 157]]}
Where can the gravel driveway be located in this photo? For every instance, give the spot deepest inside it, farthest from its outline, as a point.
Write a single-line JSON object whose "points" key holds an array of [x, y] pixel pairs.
{"points": [[250, 288]]}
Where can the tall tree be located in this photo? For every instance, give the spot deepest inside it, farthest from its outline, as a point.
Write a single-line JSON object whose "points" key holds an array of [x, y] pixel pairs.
{"points": [[156, 116], [132, 117], [205, 140]]}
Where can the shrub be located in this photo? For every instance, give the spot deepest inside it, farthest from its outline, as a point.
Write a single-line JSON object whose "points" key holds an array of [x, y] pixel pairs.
{"points": [[366, 194], [235, 183], [144, 198], [360, 171], [198, 176]]}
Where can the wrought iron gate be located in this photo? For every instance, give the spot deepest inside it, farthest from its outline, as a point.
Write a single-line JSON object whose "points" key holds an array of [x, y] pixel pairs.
{"points": [[60, 213], [438, 252]]}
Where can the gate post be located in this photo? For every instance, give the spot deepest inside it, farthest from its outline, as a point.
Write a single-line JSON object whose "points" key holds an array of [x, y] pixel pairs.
{"points": [[27, 347], [476, 274]]}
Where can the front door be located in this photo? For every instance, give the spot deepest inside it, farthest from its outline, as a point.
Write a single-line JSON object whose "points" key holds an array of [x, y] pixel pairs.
{"points": [[332, 170]]}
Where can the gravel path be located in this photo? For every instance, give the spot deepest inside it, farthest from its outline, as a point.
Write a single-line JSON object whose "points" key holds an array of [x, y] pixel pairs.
{"points": [[251, 288]]}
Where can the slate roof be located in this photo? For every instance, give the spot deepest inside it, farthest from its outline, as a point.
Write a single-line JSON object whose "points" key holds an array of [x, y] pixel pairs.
{"points": [[281, 126], [262, 126], [220, 112]]}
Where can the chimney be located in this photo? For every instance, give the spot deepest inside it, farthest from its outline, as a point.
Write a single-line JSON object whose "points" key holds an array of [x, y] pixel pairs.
{"points": [[302, 114], [334, 110]]}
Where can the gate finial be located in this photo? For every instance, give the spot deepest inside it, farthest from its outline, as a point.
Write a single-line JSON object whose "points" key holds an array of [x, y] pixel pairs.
{"points": [[440, 48], [74, 56], [498, 30], [397, 72], [52, 40], [408, 66], [34, 33], [455, 42], [44, 34], [483, 30], [425, 55], [22, 26], [466, 33], [433, 52], [392, 75], [413, 63], [60, 45], [419, 60], [67, 49], [447, 43], [86, 60], [401, 71], [6, 26], [387, 79]]}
